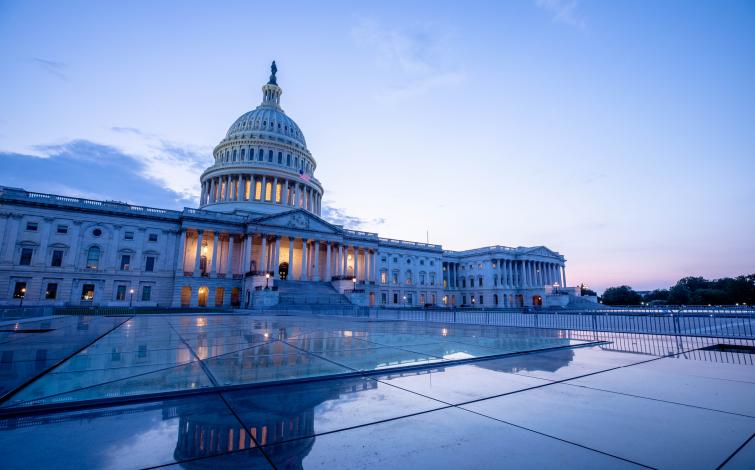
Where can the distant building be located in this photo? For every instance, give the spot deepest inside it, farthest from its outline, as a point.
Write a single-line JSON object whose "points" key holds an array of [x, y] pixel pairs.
{"points": [[259, 214]]}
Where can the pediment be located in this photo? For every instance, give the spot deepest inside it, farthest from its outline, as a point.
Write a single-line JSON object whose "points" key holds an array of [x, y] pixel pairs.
{"points": [[542, 251], [299, 220]]}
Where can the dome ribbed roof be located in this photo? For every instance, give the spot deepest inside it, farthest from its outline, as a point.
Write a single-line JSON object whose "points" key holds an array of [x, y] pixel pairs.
{"points": [[267, 122]]}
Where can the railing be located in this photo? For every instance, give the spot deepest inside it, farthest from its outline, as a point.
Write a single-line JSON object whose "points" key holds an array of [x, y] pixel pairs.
{"points": [[408, 244], [732, 324]]}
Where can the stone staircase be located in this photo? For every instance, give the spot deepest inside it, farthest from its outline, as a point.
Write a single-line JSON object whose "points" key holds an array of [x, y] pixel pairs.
{"points": [[309, 293]]}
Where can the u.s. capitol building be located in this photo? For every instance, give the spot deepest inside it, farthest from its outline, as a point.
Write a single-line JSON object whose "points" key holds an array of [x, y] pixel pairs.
{"points": [[258, 225]]}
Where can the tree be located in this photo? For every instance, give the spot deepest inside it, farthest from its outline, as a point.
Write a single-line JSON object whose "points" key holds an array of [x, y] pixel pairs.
{"points": [[622, 295], [658, 295]]}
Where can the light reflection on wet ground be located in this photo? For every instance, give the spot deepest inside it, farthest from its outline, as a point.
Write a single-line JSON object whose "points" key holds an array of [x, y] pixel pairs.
{"points": [[648, 400]]}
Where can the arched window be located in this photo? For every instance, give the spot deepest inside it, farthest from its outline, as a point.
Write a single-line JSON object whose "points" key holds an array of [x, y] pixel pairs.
{"points": [[288, 160], [261, 155], [270, 156], [234, 155], [280, 158], [243, 154], [93, 257]]}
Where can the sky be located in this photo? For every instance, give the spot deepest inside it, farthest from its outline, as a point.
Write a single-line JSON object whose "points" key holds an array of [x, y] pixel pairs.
{"points": [[620, 134]]}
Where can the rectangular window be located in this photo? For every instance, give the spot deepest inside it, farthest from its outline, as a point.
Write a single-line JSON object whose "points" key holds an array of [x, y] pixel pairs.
{"points": [[268, 190], [25, 256], [128, 235], [120, 292], [153, 237], [278, 188], [57, 258], [383, 277], [19, 290], [62, 229], [32, 226], [288, 160], [395, 298], [383, 298], [257, 190], [125, 261], [87, 292], [52, 291], [394, 278], [270, 156], [146, 293], [150, 264], [422, 299]]}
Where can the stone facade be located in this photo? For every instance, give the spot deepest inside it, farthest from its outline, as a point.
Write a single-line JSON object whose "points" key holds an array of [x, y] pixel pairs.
{"points": [[258, 224]]}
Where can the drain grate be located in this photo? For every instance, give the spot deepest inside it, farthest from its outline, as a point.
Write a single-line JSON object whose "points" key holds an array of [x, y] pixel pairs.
{"points": [[731, 348]]}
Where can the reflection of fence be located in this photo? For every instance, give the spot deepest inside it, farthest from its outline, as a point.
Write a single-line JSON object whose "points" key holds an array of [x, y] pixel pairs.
{"points": [[730, 325], [316, 299], [16, 313]]}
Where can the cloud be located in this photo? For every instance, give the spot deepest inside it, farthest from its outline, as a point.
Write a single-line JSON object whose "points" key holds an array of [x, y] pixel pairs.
{"points": [[338, 216], [419, 60], [87, 169], [52, 67], [562, 11]]}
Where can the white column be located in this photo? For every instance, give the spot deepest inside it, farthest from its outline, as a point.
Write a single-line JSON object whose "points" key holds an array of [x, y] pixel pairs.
{"points": [[198, 255], [181, 265], [304, 263], [215, 253], [263, 255], [563, 274], [316, 255], [275, 189], [229, 266], [227, 192], [356, 262], [277, 262], [328, 272], [290, 258]]}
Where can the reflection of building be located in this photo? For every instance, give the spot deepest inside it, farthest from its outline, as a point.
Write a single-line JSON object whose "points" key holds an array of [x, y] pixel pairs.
{"points": [[259, 213]]}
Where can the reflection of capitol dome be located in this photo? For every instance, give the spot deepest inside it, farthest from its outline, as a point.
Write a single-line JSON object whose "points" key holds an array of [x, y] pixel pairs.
{"points": [[262, 164]]}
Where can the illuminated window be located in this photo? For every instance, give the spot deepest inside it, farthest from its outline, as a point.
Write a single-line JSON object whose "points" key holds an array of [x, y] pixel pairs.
{"points": [[120, 293], [383, 277], [268, 190], [408, 278], [19, 290], [87, 292], [278, 188], [257, 190], [247, 189], [125, 262]]}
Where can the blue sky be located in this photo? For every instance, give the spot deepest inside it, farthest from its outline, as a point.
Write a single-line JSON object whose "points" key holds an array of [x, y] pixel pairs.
{"points": [[618, 133]]}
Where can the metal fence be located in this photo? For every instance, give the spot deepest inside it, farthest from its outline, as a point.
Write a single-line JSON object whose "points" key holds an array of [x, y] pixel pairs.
{"points": [[731, 324]]}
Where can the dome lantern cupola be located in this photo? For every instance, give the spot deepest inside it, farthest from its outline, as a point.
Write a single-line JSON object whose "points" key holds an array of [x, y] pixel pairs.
{"points": [[263, 164], [271, 92]]}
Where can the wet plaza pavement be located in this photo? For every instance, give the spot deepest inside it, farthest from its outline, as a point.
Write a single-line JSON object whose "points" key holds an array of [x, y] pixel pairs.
{"points": [[217, 391]]}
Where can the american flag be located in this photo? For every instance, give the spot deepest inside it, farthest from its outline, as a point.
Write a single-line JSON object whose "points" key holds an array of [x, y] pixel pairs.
{"points": [[303, 176]]}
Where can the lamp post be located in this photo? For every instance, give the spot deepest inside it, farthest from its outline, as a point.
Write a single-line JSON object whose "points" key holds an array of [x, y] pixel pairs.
{"points": [[267, 280], [354, 284], [131, 297], [23, 294]]}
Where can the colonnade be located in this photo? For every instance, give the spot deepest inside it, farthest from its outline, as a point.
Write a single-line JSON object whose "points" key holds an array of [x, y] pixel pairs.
{"points": [[261, 188], [305, 259], [516, 274]]}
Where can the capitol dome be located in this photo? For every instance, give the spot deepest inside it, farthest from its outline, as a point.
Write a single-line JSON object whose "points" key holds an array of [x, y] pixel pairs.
{"points": [[262, 164]]}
